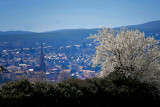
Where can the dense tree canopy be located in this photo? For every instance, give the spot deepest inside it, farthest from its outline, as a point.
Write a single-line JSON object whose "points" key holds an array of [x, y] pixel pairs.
{"points": [[113, 90]]}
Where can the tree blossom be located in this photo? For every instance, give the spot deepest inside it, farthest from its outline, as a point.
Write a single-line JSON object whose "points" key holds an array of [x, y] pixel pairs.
{"points": [[128, 50]]}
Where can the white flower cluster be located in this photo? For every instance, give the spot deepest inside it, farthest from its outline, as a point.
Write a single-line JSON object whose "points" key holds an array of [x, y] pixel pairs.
{"points": [[128, 50]]}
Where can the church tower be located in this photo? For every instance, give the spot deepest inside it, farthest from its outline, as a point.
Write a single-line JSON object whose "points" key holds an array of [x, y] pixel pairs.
{"points": [[42, 63]]}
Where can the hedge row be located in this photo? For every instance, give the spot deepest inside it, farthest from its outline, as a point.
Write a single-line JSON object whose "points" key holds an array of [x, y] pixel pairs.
{"points": [[113, 90]]}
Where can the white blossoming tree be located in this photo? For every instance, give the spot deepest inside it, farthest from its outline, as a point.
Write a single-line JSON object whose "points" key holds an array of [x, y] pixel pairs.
{"points": [[129, 51]]}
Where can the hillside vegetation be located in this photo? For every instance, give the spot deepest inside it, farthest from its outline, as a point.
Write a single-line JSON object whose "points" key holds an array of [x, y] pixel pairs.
{"points": [[64, 37], [115, 89]]}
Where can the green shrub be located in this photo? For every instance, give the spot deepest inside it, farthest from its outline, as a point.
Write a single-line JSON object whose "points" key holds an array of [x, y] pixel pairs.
{"points": [[115, 89]]}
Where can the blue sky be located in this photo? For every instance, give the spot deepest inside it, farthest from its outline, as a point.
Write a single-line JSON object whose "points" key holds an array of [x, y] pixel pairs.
{"points": [[49, 15]]}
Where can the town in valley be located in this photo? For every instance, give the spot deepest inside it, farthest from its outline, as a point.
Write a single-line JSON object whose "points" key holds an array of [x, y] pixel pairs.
{"points": [[47, 63]]}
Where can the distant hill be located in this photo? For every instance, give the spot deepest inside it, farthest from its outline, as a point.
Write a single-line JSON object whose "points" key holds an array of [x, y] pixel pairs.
{"points": [[15, 32], [12, 39], [54, 38], [147, 25]]}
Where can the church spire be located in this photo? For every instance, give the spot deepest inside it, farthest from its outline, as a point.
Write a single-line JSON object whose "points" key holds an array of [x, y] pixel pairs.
{"points": [[42, 63], [41, 48]]}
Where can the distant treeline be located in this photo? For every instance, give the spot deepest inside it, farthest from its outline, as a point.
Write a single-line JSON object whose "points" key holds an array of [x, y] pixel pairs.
{"points": [[57, 38]]}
